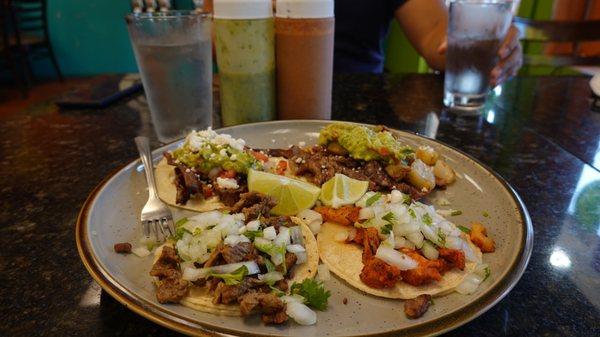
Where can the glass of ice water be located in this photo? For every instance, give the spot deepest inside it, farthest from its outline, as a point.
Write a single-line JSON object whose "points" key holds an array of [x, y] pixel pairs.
{"points": [[173, 54], [476, 30]]}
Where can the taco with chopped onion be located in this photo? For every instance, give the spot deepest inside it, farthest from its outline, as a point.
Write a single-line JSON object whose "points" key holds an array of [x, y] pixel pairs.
{"points": [[396, 248], [209, 171], [241, 263]]}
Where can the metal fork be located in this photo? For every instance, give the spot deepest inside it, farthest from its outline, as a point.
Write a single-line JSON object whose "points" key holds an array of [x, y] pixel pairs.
{"points": [[156, 216]]}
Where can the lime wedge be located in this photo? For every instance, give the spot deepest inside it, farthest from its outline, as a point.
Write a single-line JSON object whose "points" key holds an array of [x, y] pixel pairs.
{"points": [[342, 190], [292, 195]]}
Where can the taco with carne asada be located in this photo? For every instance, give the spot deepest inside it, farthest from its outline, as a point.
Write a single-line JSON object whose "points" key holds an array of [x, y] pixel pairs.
{"points": [[397, 249], [207, 172], [239, 264], [372, 154]]}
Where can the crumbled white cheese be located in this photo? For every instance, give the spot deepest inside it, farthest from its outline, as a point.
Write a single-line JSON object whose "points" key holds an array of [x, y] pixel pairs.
{"points": [[198, 139], [228, 183], [233, 157], [223, 153]]}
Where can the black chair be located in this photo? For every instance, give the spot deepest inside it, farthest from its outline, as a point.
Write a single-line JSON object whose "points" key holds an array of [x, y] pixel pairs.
{"points": [[31, 34], [546, 31], [9, 52]]}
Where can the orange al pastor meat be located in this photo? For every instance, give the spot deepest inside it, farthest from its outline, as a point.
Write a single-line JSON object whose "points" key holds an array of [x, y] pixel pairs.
{"points": [[345, 215], [426, 272], [378, 274], [368, 238], [480, 239], [454, 257]]}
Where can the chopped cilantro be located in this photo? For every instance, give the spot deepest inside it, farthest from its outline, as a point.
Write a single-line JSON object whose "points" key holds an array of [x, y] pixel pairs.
{"points": [[389, 216], [270, 266], [179, 231], [180, 222], [486, 214], [427, 219], [313, 291], [253, 234], [232, 278], [276, 291], [487, 273], [441, 237], [412, 213], [455, 212], [406, 199], [464, 229], [373, 199], [387, 228]]}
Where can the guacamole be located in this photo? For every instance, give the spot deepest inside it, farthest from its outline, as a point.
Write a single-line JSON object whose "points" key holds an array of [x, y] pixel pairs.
{"points": [[204, 151], [365, 143]]}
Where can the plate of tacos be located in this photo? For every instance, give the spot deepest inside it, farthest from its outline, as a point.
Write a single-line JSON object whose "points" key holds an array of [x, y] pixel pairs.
{"points": [[302, 228]]}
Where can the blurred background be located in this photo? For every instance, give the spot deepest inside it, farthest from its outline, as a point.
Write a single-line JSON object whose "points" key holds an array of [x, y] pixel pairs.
{"points": [[90, 37]]}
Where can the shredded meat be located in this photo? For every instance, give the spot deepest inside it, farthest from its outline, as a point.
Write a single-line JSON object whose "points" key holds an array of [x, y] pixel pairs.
{"points": [[345, 215], [378, 274], [369, 239], [215, 256], [230, 196], [278, 221], [417, 307], [272, 308], [454, 257], [171, 287], [290, 261], [228, 294], [285, 153], [187, 181], [243, 251], [123, 247], [253, 205], [427, 270], [480, 239]]}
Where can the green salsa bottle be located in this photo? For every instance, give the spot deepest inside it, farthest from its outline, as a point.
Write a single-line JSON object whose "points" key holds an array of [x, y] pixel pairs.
{"points": [[245, 46]]}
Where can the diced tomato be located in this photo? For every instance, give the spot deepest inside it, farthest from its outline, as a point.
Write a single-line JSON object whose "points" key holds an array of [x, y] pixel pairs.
{"points": [[207, 192], [260, 156], [281, 167], [384, 151], [228, 174]]}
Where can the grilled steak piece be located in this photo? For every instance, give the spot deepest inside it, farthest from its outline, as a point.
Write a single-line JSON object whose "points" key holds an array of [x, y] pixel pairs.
{"points": [[272, 308], [278, 221], [227, 294], [215, 256], [171, 287], [253, 204], [243, 251], [230, 196], [285, 153], [417, 307], [123, 247], [290, 261]]}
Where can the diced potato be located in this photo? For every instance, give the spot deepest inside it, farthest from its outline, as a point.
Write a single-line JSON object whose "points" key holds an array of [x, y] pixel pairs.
{"points": [[444, 174], [421, 176], [427, 154]]}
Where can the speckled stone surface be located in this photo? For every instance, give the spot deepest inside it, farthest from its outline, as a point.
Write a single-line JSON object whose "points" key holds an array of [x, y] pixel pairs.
{"points": [[538, 133]]}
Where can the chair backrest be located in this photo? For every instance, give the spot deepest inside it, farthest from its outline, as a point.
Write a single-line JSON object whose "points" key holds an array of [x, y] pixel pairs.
{"points": [[30, 15], [559, 31]]}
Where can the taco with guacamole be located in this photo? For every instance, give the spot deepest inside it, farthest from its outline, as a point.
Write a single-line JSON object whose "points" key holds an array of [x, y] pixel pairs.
{"points": [[242, 263], [399, 249]]}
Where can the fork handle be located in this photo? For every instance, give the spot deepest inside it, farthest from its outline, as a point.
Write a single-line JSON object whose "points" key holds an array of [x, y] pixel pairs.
{"points": [[143, 145]]}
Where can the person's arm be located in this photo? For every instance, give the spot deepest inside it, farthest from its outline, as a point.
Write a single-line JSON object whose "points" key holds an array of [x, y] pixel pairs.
{"points": [[425, 24]]}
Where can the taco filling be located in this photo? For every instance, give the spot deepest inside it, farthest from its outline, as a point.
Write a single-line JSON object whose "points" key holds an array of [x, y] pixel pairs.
{"points": [[241, 263]]}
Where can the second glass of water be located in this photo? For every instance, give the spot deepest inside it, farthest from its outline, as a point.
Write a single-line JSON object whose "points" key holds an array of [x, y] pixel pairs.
{"points": [[173, 53], [476, 30]]}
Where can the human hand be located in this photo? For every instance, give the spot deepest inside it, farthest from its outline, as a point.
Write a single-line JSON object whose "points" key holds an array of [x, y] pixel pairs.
{"points": [[510, 58]]}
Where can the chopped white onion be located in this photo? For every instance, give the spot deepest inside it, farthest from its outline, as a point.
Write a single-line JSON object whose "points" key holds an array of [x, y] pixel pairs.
{"points": [[242, 230], [315, 227], [323, 273], [472, 281], [366, 213], [352, 234], [341, 236], [429, 251], [269, 233], [253, 225], [295, 248], [416, 238], [277, 259], [233, 240], [302, 257], [454, 242], [292, 298], [283, 238], [308, 215], [300, 313], [140, 251], [296, 234], [271, 277], [396, 197], [192, 274], [396, 258]]}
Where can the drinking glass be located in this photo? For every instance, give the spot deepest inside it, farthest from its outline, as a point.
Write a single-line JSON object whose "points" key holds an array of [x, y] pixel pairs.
{"points": [[476, 30], [173, 54]]}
